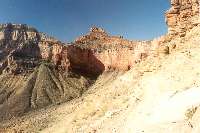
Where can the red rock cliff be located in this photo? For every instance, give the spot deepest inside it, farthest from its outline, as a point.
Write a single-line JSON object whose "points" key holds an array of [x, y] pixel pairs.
{"points": [[97, 52], [93, 53], [55, 52]]}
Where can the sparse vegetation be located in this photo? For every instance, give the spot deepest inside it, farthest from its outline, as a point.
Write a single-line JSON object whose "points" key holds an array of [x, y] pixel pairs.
{"points": [[190, 113]]}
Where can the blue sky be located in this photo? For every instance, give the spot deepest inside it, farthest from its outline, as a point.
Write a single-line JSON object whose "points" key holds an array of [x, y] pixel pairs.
{"points": [[68, 19]]}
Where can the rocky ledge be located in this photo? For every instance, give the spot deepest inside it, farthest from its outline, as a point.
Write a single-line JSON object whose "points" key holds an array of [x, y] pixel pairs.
{"points": [[182, 16]]}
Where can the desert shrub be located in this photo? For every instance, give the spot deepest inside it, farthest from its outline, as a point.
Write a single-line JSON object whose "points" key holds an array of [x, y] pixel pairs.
{"points": [[190, 113]]}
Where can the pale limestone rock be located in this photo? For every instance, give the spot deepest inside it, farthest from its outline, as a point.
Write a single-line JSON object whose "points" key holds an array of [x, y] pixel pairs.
{"points": [[182, 16]]}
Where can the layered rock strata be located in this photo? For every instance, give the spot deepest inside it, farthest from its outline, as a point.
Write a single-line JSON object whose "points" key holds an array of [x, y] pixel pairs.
{"points": [[24, 48], [98, 51]]}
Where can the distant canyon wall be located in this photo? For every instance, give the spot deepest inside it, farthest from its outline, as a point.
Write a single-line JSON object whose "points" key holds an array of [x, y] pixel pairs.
{"points": [[23, 48], [96, 52]]}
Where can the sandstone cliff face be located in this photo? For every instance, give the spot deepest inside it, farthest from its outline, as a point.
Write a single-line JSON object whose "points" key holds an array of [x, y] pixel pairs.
{"points": [[84, 61], [18, 32], [97, 52], [182, 16], [18, 46], [55, 52], [23, 47]]}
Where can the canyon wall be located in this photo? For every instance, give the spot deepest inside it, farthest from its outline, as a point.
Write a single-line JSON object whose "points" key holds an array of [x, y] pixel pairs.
{"points": [[107, 60], [55, 52], [182, 16], [23, 47], [97, 52], [18, 47]]}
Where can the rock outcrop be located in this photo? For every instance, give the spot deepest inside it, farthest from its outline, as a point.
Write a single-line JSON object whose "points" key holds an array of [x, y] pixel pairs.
{"points": [[55, 52], [18, 32], [182, 16], [23, 47], [18, 46], [98, 51]]}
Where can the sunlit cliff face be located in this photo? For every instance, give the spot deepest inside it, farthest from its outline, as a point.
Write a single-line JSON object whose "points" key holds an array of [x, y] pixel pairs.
{"points": [[182, 16]]}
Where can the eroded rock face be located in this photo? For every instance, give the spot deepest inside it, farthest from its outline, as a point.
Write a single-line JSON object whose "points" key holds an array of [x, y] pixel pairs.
{"points": [[182, 16], [18, 46], [18, 32], [94, 34], [22, 48], [55, 52], [97, 52]]}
